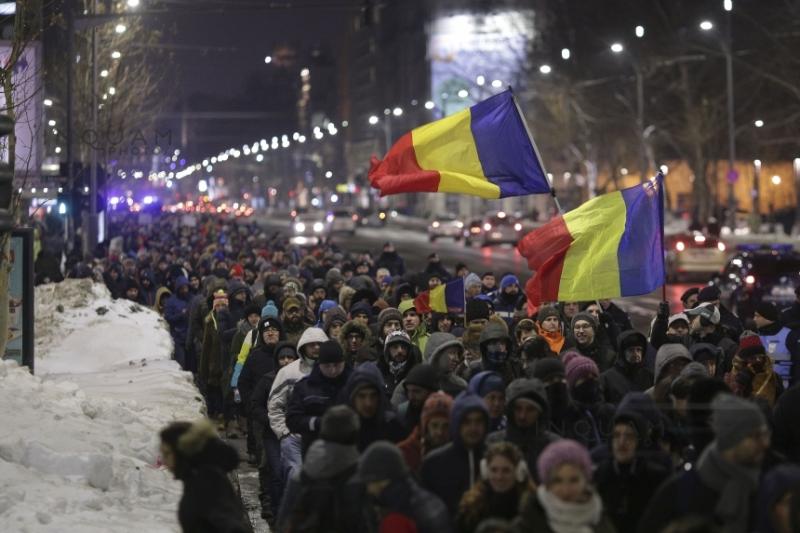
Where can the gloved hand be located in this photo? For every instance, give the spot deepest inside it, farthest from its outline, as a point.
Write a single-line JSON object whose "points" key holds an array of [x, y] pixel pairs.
{"points": [[237, 398], [663, 310]]}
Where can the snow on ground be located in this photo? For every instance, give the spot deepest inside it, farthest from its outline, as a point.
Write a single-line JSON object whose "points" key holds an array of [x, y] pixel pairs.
{"points": [[79, 440]]}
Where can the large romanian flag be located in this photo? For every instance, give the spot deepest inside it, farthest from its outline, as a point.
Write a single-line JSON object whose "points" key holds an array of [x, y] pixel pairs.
{"points": [[611, 246], [484, 151]]}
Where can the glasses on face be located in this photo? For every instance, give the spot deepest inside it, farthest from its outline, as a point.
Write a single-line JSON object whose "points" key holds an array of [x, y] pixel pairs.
{"points": [[582, 327]]}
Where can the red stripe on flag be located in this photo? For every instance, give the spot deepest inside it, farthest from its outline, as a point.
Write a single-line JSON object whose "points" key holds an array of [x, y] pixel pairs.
{"points": [[545, 249], [399, 171], [422, 302]]}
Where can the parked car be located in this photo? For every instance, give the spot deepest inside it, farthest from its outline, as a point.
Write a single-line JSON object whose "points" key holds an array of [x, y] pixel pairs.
{"points": [[694, 254], [310, 229], [445, 226], [344, 221]]}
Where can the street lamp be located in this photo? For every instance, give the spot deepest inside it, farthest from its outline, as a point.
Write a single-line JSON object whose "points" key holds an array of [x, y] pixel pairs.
{"points": [[120, 28], [480, 80], [133, 3], [268, 60], [565, 53], [618, 48], [639, 31], [545, 69], [115, 54], [706, 25], [776, 180], [759, 123], [397, 111], [428, 105], [373, 120]]}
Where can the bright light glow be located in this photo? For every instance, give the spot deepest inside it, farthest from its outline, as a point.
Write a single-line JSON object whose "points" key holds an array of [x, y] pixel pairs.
{"points": [[329, 174], [623, 171], [318, 226], [680, 246], [565, 53], [373, 120], [759, 123], [305, 73], [51, 122], [260, 158], [120, 28], [639, 31], [463, 93], [8, 8], [480, 80], [299, 227], [700, 238], [48, 102], [750, 279], [112, 91], [147, 200], [345, 123], [721, 246], [133, 3], [617, 48], [315, 202], [487, 227], [706, 25], [517, 227], [727, 5], [428, 105], [545, 69], [213, 160], [435, 224], [58, 149], [497, 84], [62, 209], [397, 111], [501, 214], [104, 73], [115, 54], [202, 186], [776, 180], [268, 60], [334, 198], [757, 163], [664, 169]]}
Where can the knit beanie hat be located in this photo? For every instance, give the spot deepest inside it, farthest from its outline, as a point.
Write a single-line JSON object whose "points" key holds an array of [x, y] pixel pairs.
{"points": [[340, 424], [220, 298], [509, 279], [380, 461], [286, 350], [484, 383], [587, 317], [472, 279], [561, 452], [437, 404], [708, 293], [397, 336], [333, 276], [579, 367], [546, 312], [750, 345], [477, 309], [252, 309], [330, 352], [269, 310], [733, 419], [390, 313], [334, 314], [768, 310], [423, 375], [548, 368]]}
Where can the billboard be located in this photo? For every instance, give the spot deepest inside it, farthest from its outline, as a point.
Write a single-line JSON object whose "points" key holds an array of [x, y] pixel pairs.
{"points": [[475, 55], [28, 99]]}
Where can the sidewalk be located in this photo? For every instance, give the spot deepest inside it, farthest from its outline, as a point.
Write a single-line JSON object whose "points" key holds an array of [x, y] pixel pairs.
{"points": [[245, 481]]}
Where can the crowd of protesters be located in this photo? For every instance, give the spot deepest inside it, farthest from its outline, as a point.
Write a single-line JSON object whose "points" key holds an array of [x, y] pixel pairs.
{"points": [[365, 411]]}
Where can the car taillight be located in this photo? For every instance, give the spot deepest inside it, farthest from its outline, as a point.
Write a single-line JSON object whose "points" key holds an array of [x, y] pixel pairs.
{"points": [[680, 246], [721, 246], [750, 279], [355, 218], [487, 227]]}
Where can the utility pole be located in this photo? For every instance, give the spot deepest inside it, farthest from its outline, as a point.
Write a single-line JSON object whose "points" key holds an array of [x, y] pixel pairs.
{"points": [[90, 237], [732, 174]]}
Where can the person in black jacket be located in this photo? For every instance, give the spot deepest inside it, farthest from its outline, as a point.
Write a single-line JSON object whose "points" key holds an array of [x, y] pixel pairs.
{"points": [[197, 457], [628, 373], [315, 393], [365, 394], [587, 419], [397, 359], [269, 470]]}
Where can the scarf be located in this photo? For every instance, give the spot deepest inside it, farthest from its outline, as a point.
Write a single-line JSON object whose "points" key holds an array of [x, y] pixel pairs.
{"points": [[565, 517], [735, 485], [554, 339]]}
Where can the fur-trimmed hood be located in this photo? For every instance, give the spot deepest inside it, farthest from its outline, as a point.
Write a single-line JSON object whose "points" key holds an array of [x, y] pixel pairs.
{"points": [[201, 446]]}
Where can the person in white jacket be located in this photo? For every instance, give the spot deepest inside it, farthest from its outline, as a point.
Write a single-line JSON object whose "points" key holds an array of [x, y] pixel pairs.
{"points": [[308, 349]]}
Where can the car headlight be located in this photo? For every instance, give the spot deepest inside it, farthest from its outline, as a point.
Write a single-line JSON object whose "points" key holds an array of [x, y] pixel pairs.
{"points": [[518, 227], [299, 227], [435, 224], [459, 224], [487, 227], [721, 246], [318, 227]]}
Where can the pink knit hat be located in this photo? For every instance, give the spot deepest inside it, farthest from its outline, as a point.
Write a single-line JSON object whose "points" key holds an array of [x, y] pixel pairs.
{"points": [[560, 452], [578, 367]]}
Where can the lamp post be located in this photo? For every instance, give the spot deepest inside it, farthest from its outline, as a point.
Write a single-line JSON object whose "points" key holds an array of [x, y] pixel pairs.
{"points": [[618, 48]]}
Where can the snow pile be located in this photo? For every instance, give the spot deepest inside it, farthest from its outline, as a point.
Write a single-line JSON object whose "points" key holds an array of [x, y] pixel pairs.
{"points": [[79, 446]]}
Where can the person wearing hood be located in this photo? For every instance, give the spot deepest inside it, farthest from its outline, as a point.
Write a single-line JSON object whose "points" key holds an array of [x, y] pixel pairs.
{"points": [[325, 495], [115, 281], [413, 324], [213, 358], [335, 318], [628, 373], [147, 288], [249, 337], [508, 299], [502, 491], [778, 493], [198, 311], [752, 375], [355, 339], [724, 482], [389, 319], [201, 461], [584, 330], [391, 260], [131, 290], [552, 373], [324, 307], [240, 296], [176, 313], [421, 382], [550, 328], [628, 478], [443, 322], [308, 348], [400, 499], [782, 344], [431, 433], [490, 386], [496, 352], [361, 312], [587, 419], [162, 295], [528, 418], [317, 392], [452, 469], [670, 360], [365, 393], [446, 354], [707, 355]]}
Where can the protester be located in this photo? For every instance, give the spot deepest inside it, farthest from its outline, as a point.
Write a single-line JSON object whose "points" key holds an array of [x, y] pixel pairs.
{"points": [[584, 330], [490, 386], [629, 372], [431, 433]]}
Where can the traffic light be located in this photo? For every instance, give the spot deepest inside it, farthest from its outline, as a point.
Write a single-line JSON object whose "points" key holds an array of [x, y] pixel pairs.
{"points": [[6, 181]]}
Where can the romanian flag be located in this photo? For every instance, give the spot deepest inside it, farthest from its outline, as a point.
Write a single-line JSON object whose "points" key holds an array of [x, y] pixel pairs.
{"points": [[611, 246], [447, 298], [484, 151]]}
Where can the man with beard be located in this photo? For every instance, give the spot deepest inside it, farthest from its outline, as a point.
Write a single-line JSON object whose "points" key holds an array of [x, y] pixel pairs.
{"points": [[628, 373], [292, 319], [397, 360], [431, 433], [527, 413], [354, 338], [584, 332], [508, 299]]}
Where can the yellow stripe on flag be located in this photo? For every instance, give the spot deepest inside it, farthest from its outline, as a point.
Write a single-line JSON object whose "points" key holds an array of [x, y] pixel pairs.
{"points": [[436, 299], [591, 266]]}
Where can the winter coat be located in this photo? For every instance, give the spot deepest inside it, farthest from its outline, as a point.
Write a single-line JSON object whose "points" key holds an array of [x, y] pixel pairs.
{"points": [[511, 368], [490, 505], [209, 503], [261, 361], [530, 441], [157, 307], [786, 435], [392, 262], [213, 357], [426, 510], [452, 469], [310, 398], [626, 489], [602, 354], [176, 313], [589, 425], [384, 425], [438, 342], [623, 378], [533, 517], [257, 408]]}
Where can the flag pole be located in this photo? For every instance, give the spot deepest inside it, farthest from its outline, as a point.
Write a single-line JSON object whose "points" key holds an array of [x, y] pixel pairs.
{"points": [[660, 184], [536, 151]]}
